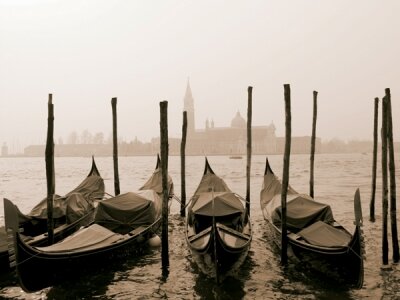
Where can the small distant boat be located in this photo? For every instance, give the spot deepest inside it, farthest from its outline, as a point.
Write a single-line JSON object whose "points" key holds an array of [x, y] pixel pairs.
{"points": [[121, 224], [315, 239], [235, 157], [70, 212], [218, 229]]}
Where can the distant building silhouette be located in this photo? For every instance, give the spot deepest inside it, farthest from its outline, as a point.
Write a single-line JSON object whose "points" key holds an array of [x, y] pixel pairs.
{"points": [[222, 140], [188, 106], [211, 140], [4, 150]]}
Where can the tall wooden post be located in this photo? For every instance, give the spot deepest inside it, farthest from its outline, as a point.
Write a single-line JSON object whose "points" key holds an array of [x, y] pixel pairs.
{"points": [[285, 177], [164, 170], [248, 167], [50, 174], [183, 180], [374, 159], [385, 247], [392, 176], [314, 123], [115, 146]]}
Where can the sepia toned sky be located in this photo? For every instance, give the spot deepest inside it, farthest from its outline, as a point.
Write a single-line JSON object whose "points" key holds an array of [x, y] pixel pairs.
{"points": [[142, 52]]}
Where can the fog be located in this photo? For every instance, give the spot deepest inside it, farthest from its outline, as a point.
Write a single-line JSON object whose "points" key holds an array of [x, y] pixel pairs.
{"points": [[143, 52]]}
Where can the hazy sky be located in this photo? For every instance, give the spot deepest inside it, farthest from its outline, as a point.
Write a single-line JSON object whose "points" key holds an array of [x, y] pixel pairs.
{"points": [[86, 52]]}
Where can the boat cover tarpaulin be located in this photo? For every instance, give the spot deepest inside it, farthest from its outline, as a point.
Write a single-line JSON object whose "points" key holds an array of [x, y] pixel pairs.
{"points": [[272, 187], [90, 188], [211, 182], [126, 212], [77, 207], [40, 210], [217, 204], [94, 236], [72, 207], [322, 234], [301, 209], [155, 183]]}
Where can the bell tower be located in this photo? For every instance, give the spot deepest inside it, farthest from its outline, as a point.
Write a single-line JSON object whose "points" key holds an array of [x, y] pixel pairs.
{"points": [[188, 106]]}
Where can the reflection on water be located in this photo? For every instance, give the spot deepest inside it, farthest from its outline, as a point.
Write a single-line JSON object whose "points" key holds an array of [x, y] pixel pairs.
{"points": [[260, 277]]}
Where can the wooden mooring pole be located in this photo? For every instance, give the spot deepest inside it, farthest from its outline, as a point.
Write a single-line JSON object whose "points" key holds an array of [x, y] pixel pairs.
{"points": [[115, 146], [248, 166], [392, 176], [374, 160], [50, 174], [385, 247], [314, 123], [183, 171], [164, 170], [285, 177]]}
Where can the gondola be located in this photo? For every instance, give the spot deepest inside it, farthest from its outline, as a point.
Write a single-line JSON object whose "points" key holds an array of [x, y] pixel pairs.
{"points": [[121, 224], [70, 212], [218, 229], [315, 240]]}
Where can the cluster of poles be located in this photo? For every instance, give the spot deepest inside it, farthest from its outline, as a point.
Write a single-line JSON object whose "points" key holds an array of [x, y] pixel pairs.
{"points": [[387, 160], [387, 146]]}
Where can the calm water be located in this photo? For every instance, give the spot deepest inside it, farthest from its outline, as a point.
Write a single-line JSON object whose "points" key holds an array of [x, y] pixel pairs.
{"points": [[23, 181]]}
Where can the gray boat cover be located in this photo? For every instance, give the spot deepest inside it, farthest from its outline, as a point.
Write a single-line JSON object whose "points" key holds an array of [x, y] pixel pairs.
{"points": [[217, 204], [211, 182], [155, 183], [128, 211], [302, 210], [91, 188], [77, 207], [322, 234], [92, 237]]}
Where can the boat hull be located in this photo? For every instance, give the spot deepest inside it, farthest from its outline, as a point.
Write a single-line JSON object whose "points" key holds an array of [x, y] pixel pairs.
{"points": [[217, 259], [57, 267], [341, 265], [42, 239]]}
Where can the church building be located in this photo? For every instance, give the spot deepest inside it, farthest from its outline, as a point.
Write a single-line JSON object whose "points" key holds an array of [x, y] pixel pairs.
{"points": [[230, 140]]}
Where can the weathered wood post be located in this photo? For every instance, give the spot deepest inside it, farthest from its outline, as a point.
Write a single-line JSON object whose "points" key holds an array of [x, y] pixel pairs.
{"points": [[164, 170], [183, 172], [248, 166], [374, 159], [285, 177], [50, 174], [392, 176], [385, 247], [115, 146], [314, 123]]}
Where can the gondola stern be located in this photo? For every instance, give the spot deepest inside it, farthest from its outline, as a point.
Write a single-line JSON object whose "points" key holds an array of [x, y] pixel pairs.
{"points": [[357, 243], [267, 167], [10, 215], [12, 229], [94, 170], [207, 167]]}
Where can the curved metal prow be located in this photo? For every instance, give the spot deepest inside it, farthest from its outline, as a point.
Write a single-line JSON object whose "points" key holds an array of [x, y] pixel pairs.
{"points": [[267, 167], [10, 215], [357, 209], [358, 231], [94, 170], [207, 168]]}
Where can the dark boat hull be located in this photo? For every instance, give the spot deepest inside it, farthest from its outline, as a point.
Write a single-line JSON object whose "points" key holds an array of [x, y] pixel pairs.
{"points": [[42, 239], [217, 259], [56, 267], [341, 265], [37, 229]]}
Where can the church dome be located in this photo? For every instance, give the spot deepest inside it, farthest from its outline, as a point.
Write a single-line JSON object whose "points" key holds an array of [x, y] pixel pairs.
{"points": [[238, 121]]}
